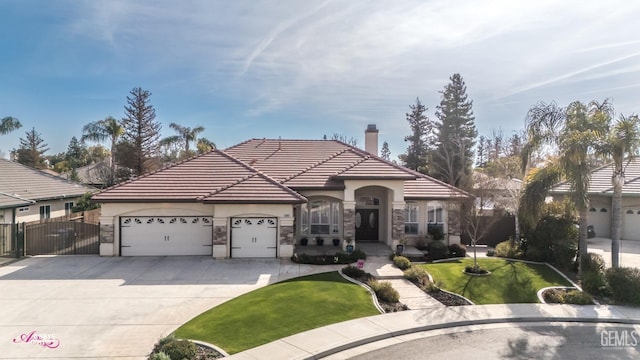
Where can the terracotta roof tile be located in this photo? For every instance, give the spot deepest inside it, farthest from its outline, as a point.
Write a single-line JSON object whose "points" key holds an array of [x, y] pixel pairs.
{"points": [[375, 168], [600, 183], [22, 182], [194, 180]]}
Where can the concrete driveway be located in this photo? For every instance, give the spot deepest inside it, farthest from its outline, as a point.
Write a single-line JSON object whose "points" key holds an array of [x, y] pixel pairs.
{"points": [[629, 251], [96, 308]]}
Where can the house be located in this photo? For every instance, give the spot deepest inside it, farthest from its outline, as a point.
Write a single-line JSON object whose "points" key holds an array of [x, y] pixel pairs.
{"points": [[495, 193], [28, 194], [96, 174], [259, 198], [601, 196]]}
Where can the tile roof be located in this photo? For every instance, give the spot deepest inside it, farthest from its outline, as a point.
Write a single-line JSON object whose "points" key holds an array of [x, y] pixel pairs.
{"points": [[212, 177], [600, 183], [268, 171], [21, 183], [11, 201]]}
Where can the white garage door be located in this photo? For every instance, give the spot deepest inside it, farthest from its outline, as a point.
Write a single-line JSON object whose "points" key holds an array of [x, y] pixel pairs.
{"points": [[254, 237], [631, 225], [600, 218], [166, 235]]}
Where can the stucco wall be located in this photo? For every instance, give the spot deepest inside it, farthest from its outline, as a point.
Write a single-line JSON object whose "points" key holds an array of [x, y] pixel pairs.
{"points": [[33, 214]]}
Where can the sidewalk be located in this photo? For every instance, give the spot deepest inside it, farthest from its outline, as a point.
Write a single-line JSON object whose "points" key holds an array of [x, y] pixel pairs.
{"points": [[328, 340]]}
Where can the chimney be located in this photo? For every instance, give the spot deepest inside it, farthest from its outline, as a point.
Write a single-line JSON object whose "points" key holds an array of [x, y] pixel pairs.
{"points": [[371, 139]]}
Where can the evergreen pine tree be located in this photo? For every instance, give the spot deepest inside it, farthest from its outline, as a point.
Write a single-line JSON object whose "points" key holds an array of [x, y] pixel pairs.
{"points": [[421, 127], [452, 158], [32, 147], [141, 132], [385, 153]]}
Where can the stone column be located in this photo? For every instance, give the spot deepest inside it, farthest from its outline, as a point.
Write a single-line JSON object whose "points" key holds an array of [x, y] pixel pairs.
{"points": [[107, 237], [453, 222], [349, 219], [397, 225], [220, 231], [286, 239]]}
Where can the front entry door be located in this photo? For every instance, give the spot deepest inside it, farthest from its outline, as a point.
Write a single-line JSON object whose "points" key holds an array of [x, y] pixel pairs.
{"points": [[367, 224]]}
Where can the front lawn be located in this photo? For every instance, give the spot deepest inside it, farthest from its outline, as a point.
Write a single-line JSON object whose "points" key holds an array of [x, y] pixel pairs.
{"points": [[510, 281], [280, 310]]}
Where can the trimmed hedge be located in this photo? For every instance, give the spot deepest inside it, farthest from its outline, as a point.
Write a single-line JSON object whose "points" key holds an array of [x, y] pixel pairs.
{"points": [[339, 258], [624, 283], [417, 275], [507, 249], [384, 291], [457, 250], [401, 262], [438, 250]]}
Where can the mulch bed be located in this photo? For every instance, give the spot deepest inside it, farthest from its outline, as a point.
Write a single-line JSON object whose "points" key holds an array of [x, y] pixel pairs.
{"points": [[205, 353], [448, 299]]}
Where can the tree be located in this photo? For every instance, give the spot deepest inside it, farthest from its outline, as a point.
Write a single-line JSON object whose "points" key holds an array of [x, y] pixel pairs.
{"points": [[185, 136], [342, 138], [76, 154], [205, 145], [385, 153], [32, 147], [574, 132], [421, 127], [452, 159], [622, 145], [481, 152], [9, 124], [141, 131], [108, 129]]}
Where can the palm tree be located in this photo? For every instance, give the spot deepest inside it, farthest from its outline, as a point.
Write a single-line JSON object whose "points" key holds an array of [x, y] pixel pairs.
{"points": [[575, 132], [622, 145], [9, 124], [101, 130], [185, 136]]}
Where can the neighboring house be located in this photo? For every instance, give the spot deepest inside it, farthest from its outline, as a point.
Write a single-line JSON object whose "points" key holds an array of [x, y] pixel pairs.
{"points": [[495, 193], [601, 195], [28, 194], [260, 197], [96, 174]]}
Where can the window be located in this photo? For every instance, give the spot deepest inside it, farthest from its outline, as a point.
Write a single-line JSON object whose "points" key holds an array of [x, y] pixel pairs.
{"points": [[411, 218], [45, 212], [320, 217], [68, 208], [434, 218]]}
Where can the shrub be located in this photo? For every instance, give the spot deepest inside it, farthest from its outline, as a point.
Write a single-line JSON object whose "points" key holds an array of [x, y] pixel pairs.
{"points": [[506, 249], [353, 272], [491, 252], [421, 244], [472, 270], [384, 291], [593, 262], [438, 250], [555, 296], [595, 282], [402, 262], [179, 349], [578, 298], [457, 250], [625, 284], [358, 254], [417, 275], [159, 356]]}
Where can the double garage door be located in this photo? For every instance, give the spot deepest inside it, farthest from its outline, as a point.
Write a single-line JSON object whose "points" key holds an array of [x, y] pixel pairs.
{"points": [[193, 235]]}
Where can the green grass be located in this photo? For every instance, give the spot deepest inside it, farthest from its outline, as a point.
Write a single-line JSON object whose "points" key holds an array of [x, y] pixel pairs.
{"points": [[510, 281], [280, 310]]}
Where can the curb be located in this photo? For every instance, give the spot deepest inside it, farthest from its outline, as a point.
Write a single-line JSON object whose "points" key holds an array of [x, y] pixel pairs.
{"points": [[372, 339]]}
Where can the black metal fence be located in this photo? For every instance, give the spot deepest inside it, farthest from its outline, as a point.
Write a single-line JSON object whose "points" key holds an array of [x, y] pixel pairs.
{"points": [[8, 240], [61, 238]]}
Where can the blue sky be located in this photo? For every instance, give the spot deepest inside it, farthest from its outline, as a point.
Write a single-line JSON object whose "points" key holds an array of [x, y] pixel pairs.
{"points": [[301, 69]]}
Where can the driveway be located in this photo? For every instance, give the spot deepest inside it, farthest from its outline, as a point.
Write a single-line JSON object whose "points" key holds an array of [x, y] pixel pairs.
{"points": [[629, 251], [98, 307]]}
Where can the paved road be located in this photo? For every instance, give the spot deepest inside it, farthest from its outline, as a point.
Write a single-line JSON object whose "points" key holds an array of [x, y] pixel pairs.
{"points": [[118, 307], [512, 341]]}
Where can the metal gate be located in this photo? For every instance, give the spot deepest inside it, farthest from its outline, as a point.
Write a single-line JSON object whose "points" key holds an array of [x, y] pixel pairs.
{"points": [[7, 240], [62, 238]]}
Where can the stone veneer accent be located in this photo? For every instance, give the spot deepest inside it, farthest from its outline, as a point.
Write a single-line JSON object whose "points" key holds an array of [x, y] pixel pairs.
{"points": [[106, 233], [397, 230], [220, 235], [286, 235], [350, 223]]}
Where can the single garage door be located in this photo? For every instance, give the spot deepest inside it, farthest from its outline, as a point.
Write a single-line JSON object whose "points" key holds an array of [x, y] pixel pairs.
{"points": [[254, 237], [166, 235], [600, 218], [631, 226]]}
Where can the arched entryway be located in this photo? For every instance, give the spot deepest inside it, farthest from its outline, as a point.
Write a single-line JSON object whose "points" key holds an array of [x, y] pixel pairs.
{"points": [[371, 215]]}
